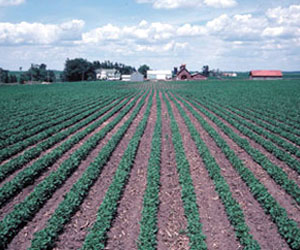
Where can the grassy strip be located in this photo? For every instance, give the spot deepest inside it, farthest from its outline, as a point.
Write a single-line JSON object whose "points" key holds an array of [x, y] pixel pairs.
{"points": [[46, 238], [148, 224], [278, 175], [28, 175], [97, 237], [24, 211], [269, 146], [30, 154], [234, 212], [197, 238], [287, 228]]}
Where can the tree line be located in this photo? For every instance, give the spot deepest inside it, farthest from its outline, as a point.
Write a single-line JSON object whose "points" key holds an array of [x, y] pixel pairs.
{"points": [[36, 73], [77, 69], [80, 69]]}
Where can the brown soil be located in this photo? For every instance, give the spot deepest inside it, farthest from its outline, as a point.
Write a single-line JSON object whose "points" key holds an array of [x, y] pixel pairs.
{"points": [[125, 229], [285, 200], [48, 150], [171, 220], [282, 122], [76, 230], [23, 238], [250, 121], [216, 227], [27, 190], [260, 224], [269, 131], [292, 174]]}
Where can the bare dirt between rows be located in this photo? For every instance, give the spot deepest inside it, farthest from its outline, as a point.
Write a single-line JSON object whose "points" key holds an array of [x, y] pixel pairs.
{"points": [[171, 220], [215, 225], [260, 224], [27, 190], [292, 174], [125, 229], [269, 131], [76, 230], [23, 238], [285, 200], [52, 147], [277, 120]]}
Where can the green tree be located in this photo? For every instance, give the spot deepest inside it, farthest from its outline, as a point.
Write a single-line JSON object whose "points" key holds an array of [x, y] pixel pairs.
{"points": [[143, 69], [3, 75], [78, 69], [205, 70]]}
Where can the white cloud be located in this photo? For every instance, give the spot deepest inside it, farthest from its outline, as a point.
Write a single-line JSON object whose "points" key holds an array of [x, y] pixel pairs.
{"points": [[38, 33], [284, 22], [143, 32], [290, 15], [174, 4], [237, 27], [191, 30], [11, 2], [227, 39], [170, 46], [220, 3]]}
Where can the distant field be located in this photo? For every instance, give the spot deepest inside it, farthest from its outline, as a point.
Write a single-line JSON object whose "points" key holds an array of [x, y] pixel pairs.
{"points": [[174, 165]]}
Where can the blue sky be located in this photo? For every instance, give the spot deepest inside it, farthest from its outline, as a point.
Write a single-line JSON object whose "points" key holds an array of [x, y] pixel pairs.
{"points": [[227, 34]]}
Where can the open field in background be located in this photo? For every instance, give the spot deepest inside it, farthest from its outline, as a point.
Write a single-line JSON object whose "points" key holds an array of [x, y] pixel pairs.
{"points": [[183, 165]]}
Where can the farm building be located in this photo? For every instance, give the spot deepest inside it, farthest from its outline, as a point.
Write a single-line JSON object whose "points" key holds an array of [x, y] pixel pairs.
{"points": [[134, 77], [108, 74], [265, 74], [184, 74], [155, 75]]}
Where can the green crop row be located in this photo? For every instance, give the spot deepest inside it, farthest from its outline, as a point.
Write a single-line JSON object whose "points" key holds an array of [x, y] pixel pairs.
{"points": [[148, 224], [46, 238], [28, 175], [234, 212], [194, 227], [49, 124], [30, 154], [278, 175], [29, 115], [25, 211], [287, 227], [276, 124], [98, 233], [280, 116], [280, 154], [276, 129], [21, 145], [45, 117]]}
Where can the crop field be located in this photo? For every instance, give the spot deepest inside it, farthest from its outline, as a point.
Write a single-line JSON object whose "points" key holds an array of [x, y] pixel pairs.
{"points": [[174, 165]]}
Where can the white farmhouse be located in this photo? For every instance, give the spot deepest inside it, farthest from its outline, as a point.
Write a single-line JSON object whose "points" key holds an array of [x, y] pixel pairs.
{"points": [[159, 75], [108, 74]]}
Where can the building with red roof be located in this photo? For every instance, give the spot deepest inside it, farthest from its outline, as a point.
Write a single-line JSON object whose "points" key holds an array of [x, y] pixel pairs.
{"points": [[265, 74], [183, 74]]}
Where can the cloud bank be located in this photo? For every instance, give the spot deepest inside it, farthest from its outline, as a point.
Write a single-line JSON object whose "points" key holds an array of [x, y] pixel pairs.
{"points": [[11, 2], [175, 4]]}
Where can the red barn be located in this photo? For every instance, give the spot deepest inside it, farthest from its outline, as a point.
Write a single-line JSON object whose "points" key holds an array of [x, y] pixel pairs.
{"points": [[265, 74], [184, 74]]}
